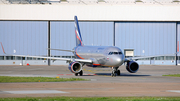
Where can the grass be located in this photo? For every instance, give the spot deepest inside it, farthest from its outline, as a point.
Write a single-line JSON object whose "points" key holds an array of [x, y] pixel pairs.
{"points": [[173, 75], [93, 99], [9, 79]]}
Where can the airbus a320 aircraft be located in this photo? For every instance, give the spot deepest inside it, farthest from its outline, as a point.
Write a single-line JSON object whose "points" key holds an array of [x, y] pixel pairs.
{"points": [[94, 56]]}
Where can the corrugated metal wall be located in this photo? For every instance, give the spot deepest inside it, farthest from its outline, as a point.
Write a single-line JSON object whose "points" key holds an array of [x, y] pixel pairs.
{"points": [[97, 33], [24, 37], [62, 37], [146, 38], [93, 33]]}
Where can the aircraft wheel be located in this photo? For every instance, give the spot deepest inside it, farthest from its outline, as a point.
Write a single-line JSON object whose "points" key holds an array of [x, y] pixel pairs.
{"points": [[118, 72], [113, 74], [76, 74], [81, 73]]}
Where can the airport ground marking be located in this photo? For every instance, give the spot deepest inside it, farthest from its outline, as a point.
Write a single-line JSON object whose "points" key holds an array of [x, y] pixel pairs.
{"points": [[88, 71], [174, 91]]}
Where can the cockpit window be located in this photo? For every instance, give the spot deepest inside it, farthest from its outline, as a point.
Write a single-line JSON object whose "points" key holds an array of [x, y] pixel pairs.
{"points": [[115, 53], [110, 53]]}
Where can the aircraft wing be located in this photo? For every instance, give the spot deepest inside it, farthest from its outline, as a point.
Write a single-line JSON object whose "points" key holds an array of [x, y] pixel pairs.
{"points": [[54, 58], [58, 58], [143, 57]]}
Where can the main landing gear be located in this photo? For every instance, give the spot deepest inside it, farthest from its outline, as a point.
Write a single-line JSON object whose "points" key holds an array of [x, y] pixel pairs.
{"points": [[115, 71], [80, 73]]}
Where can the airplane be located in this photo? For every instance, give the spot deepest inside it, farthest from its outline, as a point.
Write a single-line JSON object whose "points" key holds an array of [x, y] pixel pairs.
{"points": [[94, 56]]}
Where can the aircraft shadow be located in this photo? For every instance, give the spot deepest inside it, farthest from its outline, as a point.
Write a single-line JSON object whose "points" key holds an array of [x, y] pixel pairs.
{"points": [[122, 74], [87, 75]]}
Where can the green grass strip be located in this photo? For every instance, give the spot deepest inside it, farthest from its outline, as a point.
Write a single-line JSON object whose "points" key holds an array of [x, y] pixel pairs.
{"points": [[94, 99], [173, 75], [37, 79]]}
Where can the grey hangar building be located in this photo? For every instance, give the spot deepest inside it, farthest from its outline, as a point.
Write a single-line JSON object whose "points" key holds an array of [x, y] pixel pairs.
{"points": [[137, 27]]}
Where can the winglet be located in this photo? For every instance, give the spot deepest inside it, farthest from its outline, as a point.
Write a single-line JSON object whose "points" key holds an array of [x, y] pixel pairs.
{"points": [[77, 32], [2, 48]]}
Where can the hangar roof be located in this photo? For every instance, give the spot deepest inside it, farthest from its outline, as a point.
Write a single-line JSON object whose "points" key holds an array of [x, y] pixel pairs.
{"points": [[89, 2], [93, 10]]}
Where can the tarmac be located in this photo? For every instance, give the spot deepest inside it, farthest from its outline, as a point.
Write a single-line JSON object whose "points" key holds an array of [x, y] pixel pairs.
{"points": [[148, 81]]}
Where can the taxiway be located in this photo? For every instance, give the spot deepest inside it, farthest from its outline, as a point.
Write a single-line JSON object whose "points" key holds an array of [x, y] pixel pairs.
{"points": [[148, 81]]}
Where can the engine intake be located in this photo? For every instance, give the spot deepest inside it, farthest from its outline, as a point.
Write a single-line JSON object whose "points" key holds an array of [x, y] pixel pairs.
{"points": [[75, 67], [132, 67]]}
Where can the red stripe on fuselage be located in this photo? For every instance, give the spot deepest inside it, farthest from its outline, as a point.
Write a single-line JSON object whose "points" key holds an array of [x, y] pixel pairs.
{"points": [[78, 55], [96, 64]]}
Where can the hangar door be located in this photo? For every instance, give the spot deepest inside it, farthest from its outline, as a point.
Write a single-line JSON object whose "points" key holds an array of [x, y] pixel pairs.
{"points": [[147, 38], [93, 34], [23, 38]]}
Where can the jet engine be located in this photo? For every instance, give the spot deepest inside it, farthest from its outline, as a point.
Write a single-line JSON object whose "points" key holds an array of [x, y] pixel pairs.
{"points": [[132, 67], [75, 67]]}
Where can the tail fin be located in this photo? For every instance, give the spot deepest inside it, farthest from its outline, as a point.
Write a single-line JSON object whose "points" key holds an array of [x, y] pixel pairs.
{"points": [[77, 32]]}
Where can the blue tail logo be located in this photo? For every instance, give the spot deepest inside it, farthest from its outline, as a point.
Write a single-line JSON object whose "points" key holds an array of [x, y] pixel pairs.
{"points": [[77, 32]]}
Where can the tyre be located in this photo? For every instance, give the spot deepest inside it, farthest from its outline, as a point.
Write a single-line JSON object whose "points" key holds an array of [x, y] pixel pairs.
{"points": [[76, 74], [112, 74], [118, 73], [81, 73]]}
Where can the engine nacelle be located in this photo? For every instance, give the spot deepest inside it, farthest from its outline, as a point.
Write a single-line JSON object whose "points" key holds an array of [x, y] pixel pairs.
{"points": [[75, 67], [132, 67]]}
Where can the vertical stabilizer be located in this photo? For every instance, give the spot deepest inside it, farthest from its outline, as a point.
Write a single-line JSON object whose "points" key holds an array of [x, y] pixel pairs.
{"points": [[77, 32]]}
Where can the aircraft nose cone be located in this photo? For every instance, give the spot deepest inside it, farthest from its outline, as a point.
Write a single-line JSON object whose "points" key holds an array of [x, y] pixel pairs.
{"points": [[119, 60]]}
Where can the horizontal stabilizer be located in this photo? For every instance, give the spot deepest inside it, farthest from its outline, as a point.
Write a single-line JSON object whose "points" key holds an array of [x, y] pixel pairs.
{"points": [[61, 50]]}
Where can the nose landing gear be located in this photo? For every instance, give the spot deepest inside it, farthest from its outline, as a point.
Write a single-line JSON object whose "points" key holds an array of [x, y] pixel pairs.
{"points": [[115, 72]]}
